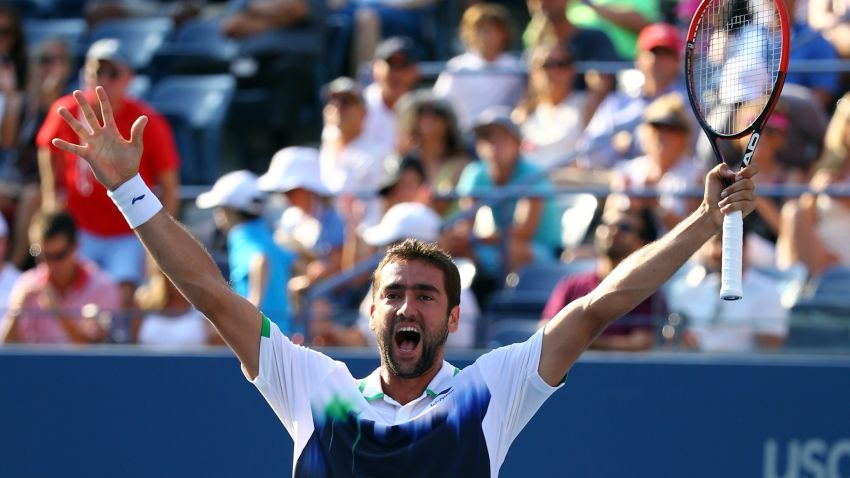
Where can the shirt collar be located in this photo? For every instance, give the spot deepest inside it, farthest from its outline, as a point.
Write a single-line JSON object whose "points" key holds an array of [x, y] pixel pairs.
{"points": [[371, 388]]}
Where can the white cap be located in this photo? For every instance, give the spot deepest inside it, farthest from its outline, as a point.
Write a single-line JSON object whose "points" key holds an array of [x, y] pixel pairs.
{"points": [[236, 190], [292, 168], [4, 227], [109, 49], [407, 220]]}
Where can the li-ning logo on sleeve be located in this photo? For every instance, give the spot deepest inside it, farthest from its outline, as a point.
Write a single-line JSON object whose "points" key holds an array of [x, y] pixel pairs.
{"points": [[137, 198]]}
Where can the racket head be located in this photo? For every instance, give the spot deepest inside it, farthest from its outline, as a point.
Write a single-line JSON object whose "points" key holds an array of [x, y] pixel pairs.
{"points": [[736, 59]]}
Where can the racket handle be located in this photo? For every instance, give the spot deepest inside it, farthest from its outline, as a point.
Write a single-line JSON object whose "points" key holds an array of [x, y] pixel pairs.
{"points": [[731, 270]]}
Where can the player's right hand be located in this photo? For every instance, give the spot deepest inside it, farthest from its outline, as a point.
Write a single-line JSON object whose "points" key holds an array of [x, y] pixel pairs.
{"points": [[113, 159]]}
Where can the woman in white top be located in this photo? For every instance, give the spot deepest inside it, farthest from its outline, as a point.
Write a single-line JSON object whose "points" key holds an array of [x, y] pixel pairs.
{"points": [[486, 74], [552, 116], [813, 230], [168, 318]]}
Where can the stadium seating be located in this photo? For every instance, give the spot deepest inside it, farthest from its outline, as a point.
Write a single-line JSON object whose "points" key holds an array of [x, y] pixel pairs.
{"points": [[510, 331], [196, 107], [830, 293], [146, 35], [821, 319], [198, 47], [69, 30]]}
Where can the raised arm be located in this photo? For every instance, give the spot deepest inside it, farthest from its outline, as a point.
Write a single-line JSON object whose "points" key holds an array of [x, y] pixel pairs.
{"points": [[115, 161], [570, 332]]}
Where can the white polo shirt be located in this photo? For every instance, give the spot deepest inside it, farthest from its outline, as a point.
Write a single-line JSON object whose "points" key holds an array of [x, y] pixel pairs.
{"points": [[462, 425]]}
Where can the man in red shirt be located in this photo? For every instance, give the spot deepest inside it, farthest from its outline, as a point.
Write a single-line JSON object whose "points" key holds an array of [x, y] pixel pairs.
{"points": [[68, 183]]}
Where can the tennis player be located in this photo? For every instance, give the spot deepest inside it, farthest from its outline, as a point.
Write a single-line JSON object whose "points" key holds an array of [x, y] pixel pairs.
{"points": [[416, 415]]}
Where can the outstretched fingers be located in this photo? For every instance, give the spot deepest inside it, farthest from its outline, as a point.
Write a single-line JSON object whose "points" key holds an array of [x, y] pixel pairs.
{"points": [[105, 108], [75, 124], [69, 147], [88, 112]]}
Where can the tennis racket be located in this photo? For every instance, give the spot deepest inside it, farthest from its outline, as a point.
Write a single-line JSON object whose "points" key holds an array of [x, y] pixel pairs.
{"points": [[736, 58]]}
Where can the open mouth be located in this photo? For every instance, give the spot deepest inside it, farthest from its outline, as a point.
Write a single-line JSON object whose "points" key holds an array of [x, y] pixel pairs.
{"points": [[407, 338]]}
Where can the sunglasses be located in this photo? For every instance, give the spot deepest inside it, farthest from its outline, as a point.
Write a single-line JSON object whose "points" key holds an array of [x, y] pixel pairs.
{"points": [[37, 251], [623, 226], [429, 110], [45, 60], [556, 64], [399, 63], [343, 100], [109, 72]]}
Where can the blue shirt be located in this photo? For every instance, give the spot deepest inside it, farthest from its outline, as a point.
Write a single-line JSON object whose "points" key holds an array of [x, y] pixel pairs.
{"points": [[809, 44], [244, 243], [475, 180]]}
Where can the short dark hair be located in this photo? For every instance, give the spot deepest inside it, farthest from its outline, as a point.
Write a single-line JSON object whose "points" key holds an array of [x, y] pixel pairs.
{"points": [[54, 224], [416, 250]]}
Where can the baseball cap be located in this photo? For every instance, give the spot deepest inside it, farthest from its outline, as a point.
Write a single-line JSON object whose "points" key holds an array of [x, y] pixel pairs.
{"points": [[661, 35], [292, 168], [407, 220], [236, 190], [343, 86], [497, 116], [668, 110], [398, 45], [108, 49], [394, 166]]}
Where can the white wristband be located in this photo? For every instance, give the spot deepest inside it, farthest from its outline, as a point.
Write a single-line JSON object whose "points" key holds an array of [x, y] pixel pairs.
{"points": [[136, 201]]}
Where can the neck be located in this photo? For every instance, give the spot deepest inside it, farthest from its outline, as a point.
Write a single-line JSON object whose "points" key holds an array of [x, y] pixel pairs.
{"points": [[63, 284], [389, 99], [406, 390], [556, 95], [605, 265], [348, 135]]}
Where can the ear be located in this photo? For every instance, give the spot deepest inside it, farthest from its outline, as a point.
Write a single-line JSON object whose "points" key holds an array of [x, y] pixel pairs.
{"points": [[372, 317], [454, 318]]}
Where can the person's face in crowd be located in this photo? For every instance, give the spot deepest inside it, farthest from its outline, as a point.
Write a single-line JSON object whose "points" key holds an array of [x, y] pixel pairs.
{"points": [[430, 122], [408, 187], [665, 144], [59, 254], [551, 9], [659, 65], [225, 218], [553, 71], [618, 235], [491, 39], [345, 111], [772, 140], [52, 65], [396, 75], [7, 33], [411, 318], [499, 150], [114, 78]]}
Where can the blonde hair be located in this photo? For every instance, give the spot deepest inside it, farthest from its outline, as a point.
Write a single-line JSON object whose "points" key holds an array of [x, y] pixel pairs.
{"points": [[481, 13], [835, 152]]}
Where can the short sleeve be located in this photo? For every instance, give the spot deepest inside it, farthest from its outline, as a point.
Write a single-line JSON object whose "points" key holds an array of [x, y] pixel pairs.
{"points": [[51, 127], [469, 178], [288, 374], [160, 153], [516, 387]]}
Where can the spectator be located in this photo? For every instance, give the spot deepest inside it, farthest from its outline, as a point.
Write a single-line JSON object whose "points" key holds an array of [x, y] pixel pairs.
{"points": [[530, 225], [13, 56], [8, 272], [394, 73], [712, 324], [68, 183], [259, 268], [169, 319], [65, 298], [809, 44], [428, 128], [611, 133], [309, 226], [623, 231], [668, 164], [350, 161], [49, 75], [405, 181], [621, 20], [813, 229], [486, 74], [552, 115]]}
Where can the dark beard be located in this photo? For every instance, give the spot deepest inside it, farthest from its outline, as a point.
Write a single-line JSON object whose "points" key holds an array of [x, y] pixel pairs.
{"points": [[431, 343]]}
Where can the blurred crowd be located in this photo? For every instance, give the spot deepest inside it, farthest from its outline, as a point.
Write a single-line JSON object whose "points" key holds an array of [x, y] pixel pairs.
{"points": [[551, 140]]}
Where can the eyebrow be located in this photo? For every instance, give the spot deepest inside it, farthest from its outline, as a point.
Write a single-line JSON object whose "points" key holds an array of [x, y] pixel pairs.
{"points": [[395, 286]]}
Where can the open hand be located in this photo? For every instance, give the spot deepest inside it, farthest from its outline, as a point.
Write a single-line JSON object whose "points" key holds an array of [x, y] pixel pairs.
{"points": [[113, 159]]}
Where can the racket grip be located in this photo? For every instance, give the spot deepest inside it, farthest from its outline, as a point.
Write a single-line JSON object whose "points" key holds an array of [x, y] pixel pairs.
{"points": [[731, 270]]}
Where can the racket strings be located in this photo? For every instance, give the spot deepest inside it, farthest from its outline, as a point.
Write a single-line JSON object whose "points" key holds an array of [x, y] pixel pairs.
{"points": [[735, 62]]}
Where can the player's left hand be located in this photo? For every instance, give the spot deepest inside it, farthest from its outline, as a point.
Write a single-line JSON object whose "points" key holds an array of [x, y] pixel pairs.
{"points": [[739, 196]]}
